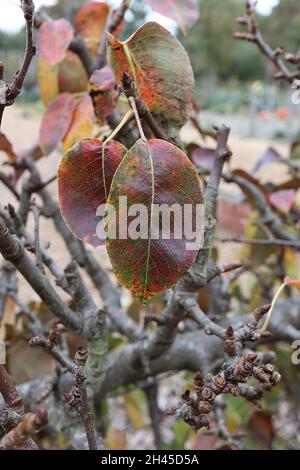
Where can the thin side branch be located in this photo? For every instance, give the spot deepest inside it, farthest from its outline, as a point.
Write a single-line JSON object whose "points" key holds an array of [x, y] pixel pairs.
{"points": [[254, 35], [8, 93]]}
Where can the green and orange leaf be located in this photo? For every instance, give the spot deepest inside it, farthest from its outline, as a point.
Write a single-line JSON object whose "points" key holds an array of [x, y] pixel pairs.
{"points": [[82, 178], [154, 172], [56, 122], [164, 83], [54, 38], [184, 12]]}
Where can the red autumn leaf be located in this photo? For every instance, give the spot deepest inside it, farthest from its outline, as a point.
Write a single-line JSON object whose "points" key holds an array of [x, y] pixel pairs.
{"points": [[6, 146], [154, 172], [261, 428], [90, 20], [104, 93], [81, 184], [165, 85], [184, 12], [56, 121], [82, 123], [54, 38], [292, 282]]}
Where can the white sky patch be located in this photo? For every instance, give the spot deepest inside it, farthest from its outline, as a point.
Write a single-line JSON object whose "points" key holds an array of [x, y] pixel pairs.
{"points": [[265, 7], [11, 17]]}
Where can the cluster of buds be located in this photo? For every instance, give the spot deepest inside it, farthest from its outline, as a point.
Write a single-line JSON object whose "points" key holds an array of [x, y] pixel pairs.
{"points": [[198, 404], [74, 399], [52, 339]]}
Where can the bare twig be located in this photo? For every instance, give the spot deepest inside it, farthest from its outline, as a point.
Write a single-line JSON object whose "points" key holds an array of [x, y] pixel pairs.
{"points": [[222, 153], [12, 398], [37, 246], [13, 251], [20, 437], [8, 93], [254, 35], [151, 392], [193, 309], [78, 398], [224, 269], [49, 344], [257, 241], [9, 183]]}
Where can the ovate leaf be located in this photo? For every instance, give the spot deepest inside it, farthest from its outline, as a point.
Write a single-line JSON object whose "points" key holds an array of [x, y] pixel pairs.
{"points": [[184, 12], [82, 123], [54, 38], [82, 177], [90, 20], [104, 94], [72, 77], [48, 81], [56, 121], [152, 173], [161, 69]]}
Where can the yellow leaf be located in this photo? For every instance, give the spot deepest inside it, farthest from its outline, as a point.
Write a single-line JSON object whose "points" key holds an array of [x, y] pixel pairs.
{"points": [[83, 123]]}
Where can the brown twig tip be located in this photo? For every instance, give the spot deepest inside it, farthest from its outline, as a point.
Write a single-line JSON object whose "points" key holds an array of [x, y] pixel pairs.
{"points": [[127, 81], [53, 335], [230, 342], [260, 312], [73, 399], [79, 400], [198, 380], [28, 9], [81, 357], [130, 90]]}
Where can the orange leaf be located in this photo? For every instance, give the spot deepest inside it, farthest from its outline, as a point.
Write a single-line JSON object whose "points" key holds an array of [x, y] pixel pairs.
{"points": [[90, 20], [82, 123]]}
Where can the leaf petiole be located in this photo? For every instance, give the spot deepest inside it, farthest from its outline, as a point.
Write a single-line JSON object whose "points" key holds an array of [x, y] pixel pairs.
{"points": [[124, 121], [137, 118]]}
